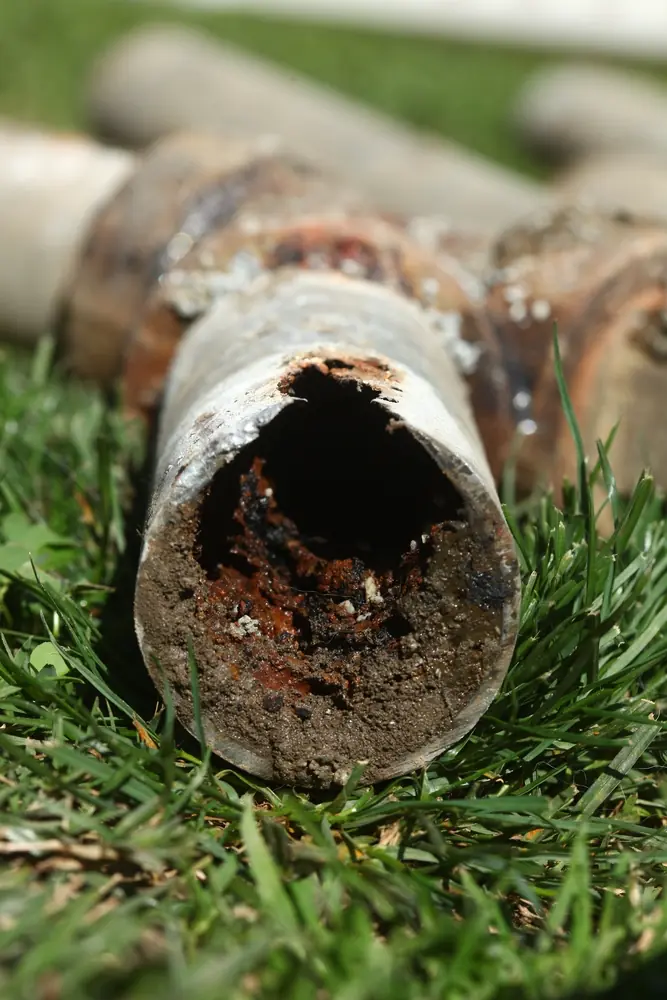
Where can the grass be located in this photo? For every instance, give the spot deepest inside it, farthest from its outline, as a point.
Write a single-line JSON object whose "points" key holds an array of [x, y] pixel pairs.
{"points": [[528, 862]]}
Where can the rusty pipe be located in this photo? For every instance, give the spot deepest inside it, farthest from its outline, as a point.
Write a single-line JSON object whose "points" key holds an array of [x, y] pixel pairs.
{"points": [[348, 580], [310, 350], [326, 529], [339, 609], [162, 78], [601, 278]]}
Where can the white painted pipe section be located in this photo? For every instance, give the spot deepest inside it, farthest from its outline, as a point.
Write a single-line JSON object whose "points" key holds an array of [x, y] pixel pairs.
{"points": [[577, 110], [164, 78], [50, 188], [621, 27], [227, 383]]}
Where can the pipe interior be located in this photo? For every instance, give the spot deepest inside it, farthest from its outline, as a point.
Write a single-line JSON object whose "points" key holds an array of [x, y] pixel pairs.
{"points": [[340, 604], [354, 484]]}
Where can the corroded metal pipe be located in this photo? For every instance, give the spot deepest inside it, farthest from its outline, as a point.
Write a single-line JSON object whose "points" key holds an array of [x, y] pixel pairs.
{"points": [[200, 206], [341, 391], [186, 187], [325, 527], [602, 279], [161, 78]]}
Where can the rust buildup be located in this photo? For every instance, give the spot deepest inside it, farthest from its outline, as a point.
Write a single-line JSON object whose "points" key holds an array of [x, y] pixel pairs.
{"points": [[298, 604], [359, 247], [318, 248], [343, 602]]}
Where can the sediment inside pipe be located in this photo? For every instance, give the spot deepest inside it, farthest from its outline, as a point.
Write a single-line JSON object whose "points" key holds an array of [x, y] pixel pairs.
{"points": [[342, 604]]}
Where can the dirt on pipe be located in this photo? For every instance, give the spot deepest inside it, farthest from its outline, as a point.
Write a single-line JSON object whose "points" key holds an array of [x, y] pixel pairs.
{"points": [[340, 605]]}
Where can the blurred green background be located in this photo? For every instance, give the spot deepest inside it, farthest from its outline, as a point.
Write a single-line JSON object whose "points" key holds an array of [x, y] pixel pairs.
{"points": [[462, 91]]}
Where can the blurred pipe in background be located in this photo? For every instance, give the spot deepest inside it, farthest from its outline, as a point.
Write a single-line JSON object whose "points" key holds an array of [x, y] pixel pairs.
{"points": [[572, 111], [621, 27], [50, 188], [162, 78]]}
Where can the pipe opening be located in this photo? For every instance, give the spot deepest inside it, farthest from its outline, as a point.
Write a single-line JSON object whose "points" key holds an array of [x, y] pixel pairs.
{"points": [[312, 535], [341, 604], [340, 478]]}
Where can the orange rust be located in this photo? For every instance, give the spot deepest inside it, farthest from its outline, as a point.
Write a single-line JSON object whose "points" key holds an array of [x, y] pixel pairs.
{"points": [[620, 379], [271, 210], [342, 367], [363, 247], [315, 246], [582, 274], [275, 593], [370, 368], [279, 677], [186, 186]]}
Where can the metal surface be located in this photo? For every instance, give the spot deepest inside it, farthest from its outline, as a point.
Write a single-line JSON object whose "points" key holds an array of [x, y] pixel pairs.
{"points": [[183, 188], [601, 280], [374, 573], [443, 282], [279, 699]]}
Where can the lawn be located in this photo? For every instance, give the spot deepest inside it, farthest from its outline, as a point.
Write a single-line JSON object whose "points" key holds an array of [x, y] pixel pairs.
{"points": [[527, 862]]}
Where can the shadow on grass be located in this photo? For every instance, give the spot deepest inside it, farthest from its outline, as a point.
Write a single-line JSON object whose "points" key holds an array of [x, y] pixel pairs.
{"points": [[118, 647], [648, 981]]}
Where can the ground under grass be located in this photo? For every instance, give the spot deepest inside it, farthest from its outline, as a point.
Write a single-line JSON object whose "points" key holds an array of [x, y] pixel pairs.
{"points": [[528, 862]]}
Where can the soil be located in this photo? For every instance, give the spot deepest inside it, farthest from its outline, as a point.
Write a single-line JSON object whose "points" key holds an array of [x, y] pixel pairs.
{"points": [[340, 606]]}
